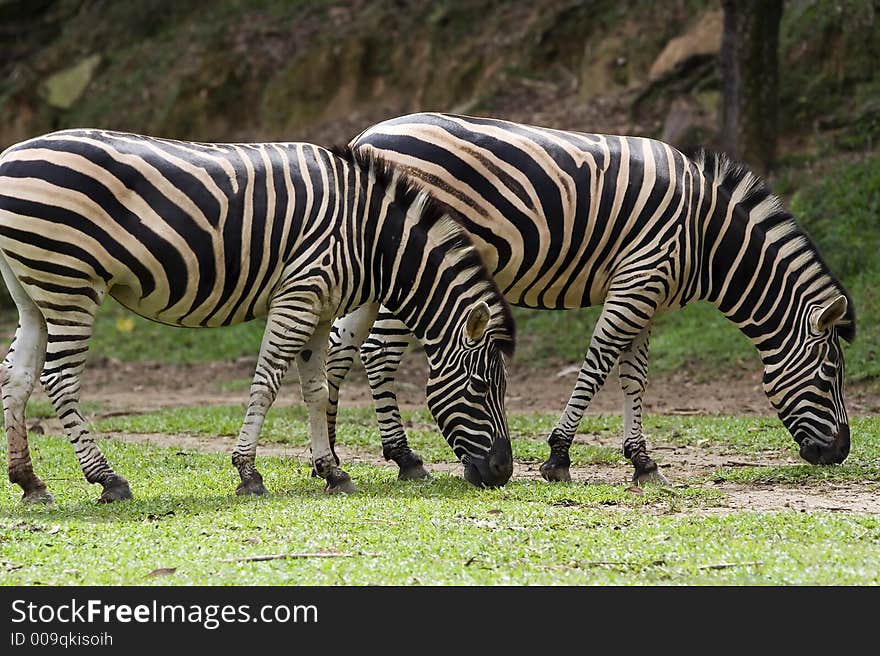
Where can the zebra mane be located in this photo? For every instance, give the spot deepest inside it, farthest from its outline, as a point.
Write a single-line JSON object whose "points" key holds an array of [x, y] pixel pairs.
{"points": [[778, 224], [444, 225]]}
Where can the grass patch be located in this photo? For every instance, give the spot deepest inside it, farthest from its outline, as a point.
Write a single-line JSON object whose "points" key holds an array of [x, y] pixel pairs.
{"points": [[441, 531], [356, 427], [749, 437], [235, 385], [42, 408]]}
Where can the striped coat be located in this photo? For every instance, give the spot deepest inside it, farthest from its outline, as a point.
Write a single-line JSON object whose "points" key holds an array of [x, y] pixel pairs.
{"points": [[568, 220], [210, 235]]}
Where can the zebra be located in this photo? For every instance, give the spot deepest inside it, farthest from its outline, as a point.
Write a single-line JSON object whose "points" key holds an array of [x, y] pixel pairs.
{"points": [[207, 235], [568, 220]]}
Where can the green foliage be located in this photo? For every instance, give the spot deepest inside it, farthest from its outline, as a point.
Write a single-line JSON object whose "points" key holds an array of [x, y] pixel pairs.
{"points": [[699, 337], [828, 59], [840, 211], [441, 531]]}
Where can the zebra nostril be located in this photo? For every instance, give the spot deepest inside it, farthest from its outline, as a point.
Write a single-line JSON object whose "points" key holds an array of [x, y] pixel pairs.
{"points": [[500, 462], [809, 451]]}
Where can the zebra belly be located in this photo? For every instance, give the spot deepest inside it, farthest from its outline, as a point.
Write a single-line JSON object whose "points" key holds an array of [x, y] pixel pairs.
{"points": [[128, 298]]}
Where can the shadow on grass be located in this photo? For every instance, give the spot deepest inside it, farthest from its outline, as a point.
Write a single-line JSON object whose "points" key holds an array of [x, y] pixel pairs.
{"points": [[372, 486], [797, 475]]}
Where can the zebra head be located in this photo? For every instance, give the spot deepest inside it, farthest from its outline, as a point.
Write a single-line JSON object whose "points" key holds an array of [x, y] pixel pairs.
{"points": [[806, 386], [465, 394]]}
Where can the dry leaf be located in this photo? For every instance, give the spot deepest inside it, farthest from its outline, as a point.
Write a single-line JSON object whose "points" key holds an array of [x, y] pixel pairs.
{"points": [[162, 571]]}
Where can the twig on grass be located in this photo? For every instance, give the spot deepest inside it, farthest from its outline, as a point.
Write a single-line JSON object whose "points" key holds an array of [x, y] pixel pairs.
{"points": [[753, 563], [286, 556], [120, 413], [742, 463], [619, 563]]}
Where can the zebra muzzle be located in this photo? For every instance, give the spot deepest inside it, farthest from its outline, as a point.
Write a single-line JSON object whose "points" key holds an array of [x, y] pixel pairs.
{"points": [[493, 470], [827, 454]]}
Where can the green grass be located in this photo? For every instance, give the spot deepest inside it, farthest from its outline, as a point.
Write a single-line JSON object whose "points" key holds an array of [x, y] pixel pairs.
{"points": [[42, 409], [748, 437], [441, 531], [357, 428]]}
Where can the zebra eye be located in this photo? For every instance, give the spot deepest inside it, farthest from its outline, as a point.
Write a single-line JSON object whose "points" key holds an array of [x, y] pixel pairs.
{"points": [[478, 385]]}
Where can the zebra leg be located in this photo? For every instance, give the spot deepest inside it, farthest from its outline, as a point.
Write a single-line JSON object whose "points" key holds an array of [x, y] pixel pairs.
{"points": [[381, 354], [618, 325], [68, 337], [633, 380], [311, 362], [346, 336], [283, 337], [18, 375]]}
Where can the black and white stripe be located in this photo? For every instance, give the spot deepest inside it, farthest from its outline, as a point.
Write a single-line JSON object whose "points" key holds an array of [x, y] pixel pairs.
{"points": [[209, 235], [568, 220]]}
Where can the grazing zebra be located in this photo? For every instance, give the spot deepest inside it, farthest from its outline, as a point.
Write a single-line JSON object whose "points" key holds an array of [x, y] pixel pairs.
{"points": [[568, 220], [204, 235]]}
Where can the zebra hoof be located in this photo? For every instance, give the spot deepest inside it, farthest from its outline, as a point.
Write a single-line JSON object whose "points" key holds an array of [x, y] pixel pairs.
{"points": [[653, 476], [556, 468], [315, 473], [410, 464], [115, 489], [251, 486], [338, 482], [555, 473], [38, 495], [413, 473]]}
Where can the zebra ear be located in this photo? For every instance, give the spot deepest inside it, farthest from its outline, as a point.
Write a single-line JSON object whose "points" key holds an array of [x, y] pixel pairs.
{"points": [[830, 314], [477, 322]]}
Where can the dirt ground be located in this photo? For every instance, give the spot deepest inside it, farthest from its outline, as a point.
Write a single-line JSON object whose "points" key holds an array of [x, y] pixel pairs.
{"points": [[128, 387]]}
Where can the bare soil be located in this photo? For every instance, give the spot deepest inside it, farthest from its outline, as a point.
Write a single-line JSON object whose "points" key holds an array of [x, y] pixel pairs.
{"points": [[120, 386], [132, 387]]}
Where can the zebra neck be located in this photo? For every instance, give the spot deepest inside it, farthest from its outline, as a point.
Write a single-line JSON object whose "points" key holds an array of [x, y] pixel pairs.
{"points": [[760, 276], [426, 277]]}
